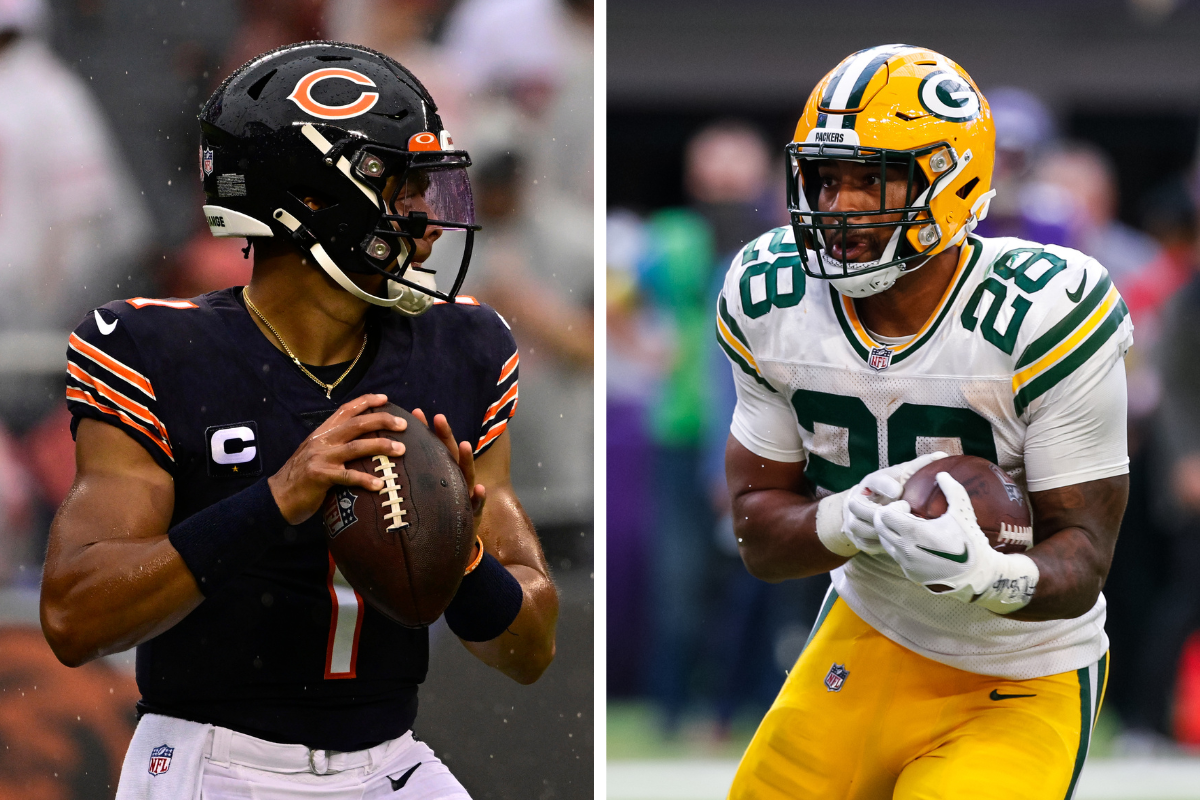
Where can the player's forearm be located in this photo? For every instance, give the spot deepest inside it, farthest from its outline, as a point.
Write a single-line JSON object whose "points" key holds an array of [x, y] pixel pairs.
{"points": [[776, 531], [526, 648], [1074, 560], [113, 595], [1071, 575]]}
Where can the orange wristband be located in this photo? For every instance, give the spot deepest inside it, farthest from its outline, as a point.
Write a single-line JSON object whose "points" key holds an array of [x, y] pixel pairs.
{"points": [[478, 556]]}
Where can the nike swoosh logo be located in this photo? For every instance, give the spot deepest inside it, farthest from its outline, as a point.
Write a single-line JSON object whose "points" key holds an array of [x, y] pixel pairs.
{"points": [[1078, 293], [997, 696], [398, 783], [105, 327], [957, 558]]}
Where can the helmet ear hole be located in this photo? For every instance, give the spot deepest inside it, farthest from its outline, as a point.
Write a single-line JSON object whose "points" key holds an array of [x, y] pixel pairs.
{"points": [[967, 188], [314, 199]]}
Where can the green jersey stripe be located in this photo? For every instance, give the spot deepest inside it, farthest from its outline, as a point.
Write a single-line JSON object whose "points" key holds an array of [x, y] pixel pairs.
{"points": [[1085, 727], [827, 606], [730, 323], [1064, 327], [1101, 668], [977, 246], [836, 299], [1051, 377], [741, 362]]}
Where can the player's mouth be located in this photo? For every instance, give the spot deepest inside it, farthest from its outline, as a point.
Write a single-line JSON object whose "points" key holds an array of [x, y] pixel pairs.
{"points": [[851, 249]]}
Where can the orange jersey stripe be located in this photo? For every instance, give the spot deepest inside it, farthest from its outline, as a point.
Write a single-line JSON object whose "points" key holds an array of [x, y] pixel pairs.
{"points": [[495, 407], [136, 409], [492, 434], [142, 302], [462, 299], [81, 396], [507, 369], [102, 358]]}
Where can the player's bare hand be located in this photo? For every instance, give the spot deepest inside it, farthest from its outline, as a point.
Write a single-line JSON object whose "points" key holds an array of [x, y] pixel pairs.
{"points": [[462, 453], [320, 461]]}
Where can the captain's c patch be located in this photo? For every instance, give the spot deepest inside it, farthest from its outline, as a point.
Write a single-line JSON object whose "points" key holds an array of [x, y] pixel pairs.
{"points": [[233, 450]]}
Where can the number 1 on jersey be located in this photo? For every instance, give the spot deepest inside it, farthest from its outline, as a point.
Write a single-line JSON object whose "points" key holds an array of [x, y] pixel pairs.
{"points": [[345, 624]]}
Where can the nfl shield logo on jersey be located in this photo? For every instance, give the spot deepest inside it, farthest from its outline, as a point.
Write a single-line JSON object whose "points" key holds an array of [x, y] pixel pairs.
{"points": [[206, 160], [160, 759], [881, 358], [836, 677]]}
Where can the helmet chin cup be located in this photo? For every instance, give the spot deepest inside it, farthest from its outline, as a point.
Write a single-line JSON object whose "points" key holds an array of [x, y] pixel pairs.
{"points": [[868, 284], [409, 301]]}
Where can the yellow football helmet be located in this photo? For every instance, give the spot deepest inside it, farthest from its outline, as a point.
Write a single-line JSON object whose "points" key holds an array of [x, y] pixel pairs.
{"points": [[893, 105]]}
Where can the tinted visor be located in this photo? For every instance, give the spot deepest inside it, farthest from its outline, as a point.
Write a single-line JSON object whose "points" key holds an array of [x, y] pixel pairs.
{"points": [[449, 194], [434, 184]]}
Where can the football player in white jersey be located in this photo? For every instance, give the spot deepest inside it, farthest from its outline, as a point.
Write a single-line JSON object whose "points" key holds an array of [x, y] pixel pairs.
{"points": [[888, 337]]}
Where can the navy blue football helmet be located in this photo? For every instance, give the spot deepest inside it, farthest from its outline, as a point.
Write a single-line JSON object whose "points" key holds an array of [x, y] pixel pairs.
{"points": [[358, 132]]}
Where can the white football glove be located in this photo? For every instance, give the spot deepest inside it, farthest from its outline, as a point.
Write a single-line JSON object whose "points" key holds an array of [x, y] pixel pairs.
{"points": [[953, 551], [846, 520]]}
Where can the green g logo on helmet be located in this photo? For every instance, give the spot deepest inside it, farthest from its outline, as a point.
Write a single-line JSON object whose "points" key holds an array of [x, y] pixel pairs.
{"points": [[947, 96]]}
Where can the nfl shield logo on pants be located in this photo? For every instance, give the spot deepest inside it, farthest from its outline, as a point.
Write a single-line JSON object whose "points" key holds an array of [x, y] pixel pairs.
{"points": [[836, 677], [160, 759], [880, 359]]}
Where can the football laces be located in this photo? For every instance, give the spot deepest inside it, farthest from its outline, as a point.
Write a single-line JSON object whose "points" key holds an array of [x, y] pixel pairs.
{"points": [[395, 514]]}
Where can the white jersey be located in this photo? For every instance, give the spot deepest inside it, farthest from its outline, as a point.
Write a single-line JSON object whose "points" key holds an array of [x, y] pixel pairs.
{"points": [[1021, 364]]}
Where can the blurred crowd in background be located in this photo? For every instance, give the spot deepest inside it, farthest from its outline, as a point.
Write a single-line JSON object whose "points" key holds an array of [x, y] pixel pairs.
{"points": [[688, 628], [100, 199]]}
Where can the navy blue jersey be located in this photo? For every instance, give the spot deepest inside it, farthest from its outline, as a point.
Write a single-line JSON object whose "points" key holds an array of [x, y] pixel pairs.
{"points": [[286, 651]]}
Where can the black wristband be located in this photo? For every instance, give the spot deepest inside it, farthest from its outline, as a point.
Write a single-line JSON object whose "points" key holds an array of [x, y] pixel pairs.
{"points": [[488, 600], [220, 541]]}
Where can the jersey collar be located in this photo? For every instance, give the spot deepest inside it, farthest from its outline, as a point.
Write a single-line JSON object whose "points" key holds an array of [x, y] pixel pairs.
{"points": [[860, 340], [286, 383]]}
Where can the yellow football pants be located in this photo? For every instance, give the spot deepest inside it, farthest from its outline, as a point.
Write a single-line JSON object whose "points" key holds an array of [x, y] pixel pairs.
{"points": [[902, 726]]}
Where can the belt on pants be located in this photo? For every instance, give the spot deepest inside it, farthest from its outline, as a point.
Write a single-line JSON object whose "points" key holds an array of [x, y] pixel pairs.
{"points": [[225, 746]]}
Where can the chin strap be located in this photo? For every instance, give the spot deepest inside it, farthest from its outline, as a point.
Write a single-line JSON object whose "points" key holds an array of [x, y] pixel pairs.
{"points": [[405, 300]]}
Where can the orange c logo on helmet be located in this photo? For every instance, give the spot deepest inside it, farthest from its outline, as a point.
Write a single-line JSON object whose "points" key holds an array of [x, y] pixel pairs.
{"points": [[302, 94], [424, 141]]}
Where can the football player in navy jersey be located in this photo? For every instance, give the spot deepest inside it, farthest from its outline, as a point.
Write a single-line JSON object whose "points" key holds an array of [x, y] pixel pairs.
{"points": [[209, 430]]}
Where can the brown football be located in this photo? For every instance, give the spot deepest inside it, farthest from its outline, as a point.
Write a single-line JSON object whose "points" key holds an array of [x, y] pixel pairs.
{"points": [[999, 502], [405, 548]]}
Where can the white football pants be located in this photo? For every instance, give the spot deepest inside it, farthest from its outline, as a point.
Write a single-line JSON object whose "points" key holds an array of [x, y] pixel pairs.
{"points": [[174, 759]]}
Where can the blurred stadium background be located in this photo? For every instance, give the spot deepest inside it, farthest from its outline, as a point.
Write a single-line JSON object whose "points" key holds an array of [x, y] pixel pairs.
{"points": [[99, 199], [1097, 109]]}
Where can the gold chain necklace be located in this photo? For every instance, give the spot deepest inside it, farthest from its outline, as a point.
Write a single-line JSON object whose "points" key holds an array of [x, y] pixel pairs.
{"points": [[328, 387]]}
